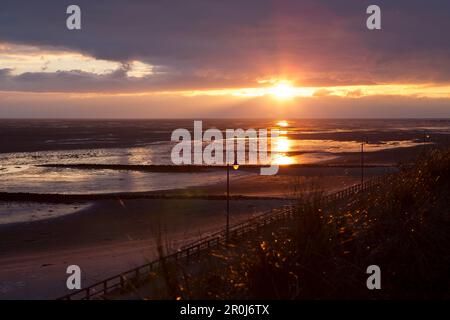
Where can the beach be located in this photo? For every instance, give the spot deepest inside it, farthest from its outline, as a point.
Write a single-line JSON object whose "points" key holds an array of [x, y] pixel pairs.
{"points": [[110, 237], [113, 235], [104, 209]]}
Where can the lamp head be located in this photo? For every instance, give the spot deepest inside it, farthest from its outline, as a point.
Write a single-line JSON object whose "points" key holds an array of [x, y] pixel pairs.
{"points": [[235, 165]]}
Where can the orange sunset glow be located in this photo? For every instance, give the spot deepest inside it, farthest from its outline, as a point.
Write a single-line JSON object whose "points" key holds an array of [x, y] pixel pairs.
{"points": [[328, 75]]}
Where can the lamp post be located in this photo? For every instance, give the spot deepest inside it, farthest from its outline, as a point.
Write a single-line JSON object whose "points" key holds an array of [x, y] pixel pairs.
{"points": [[362, 161], [235, 167], [426, 138]]}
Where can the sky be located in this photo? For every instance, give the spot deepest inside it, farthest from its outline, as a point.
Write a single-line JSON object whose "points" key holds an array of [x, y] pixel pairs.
{"points": [[225, 59]]}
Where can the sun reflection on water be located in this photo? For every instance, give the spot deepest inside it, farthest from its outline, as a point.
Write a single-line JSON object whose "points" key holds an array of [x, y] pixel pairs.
{"points": [[282, 145], [283, 123], [282, 159]]}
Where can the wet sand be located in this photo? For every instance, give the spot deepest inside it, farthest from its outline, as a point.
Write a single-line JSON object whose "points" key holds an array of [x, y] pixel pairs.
{"points": [[245, 182], [110, 237]]}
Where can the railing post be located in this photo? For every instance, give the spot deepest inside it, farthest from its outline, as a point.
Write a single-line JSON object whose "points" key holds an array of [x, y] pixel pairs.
{"points": [[122, 282], [137, 275]]}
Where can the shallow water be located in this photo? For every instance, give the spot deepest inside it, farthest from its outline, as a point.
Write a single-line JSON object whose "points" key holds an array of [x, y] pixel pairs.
{"points": [[75, 181], [29, 143]]}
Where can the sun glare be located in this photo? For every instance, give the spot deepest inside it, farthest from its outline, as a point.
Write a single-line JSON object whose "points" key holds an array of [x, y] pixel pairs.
{"points": [[283, 90], [283, 123]]}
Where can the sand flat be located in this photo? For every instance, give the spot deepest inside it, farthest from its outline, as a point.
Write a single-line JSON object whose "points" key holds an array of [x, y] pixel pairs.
{"points": [[108, 238]]}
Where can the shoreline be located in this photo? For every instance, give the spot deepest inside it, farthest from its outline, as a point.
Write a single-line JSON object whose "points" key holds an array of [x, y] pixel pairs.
{"points": [[215, 191]]}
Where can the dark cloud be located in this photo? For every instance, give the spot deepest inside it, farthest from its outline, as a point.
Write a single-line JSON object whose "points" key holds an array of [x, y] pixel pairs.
{"points": [[212, 43], [80, 81], [4, 73]]}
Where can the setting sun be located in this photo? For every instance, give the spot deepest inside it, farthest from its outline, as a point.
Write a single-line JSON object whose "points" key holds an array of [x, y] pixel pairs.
{"points": [[283, 90]]}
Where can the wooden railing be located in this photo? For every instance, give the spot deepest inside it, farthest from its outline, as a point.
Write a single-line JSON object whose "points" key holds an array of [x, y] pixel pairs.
{"points": [[215, 240]]}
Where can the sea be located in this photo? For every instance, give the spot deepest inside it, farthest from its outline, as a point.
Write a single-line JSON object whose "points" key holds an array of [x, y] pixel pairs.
{"points": [[25, 145]]}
